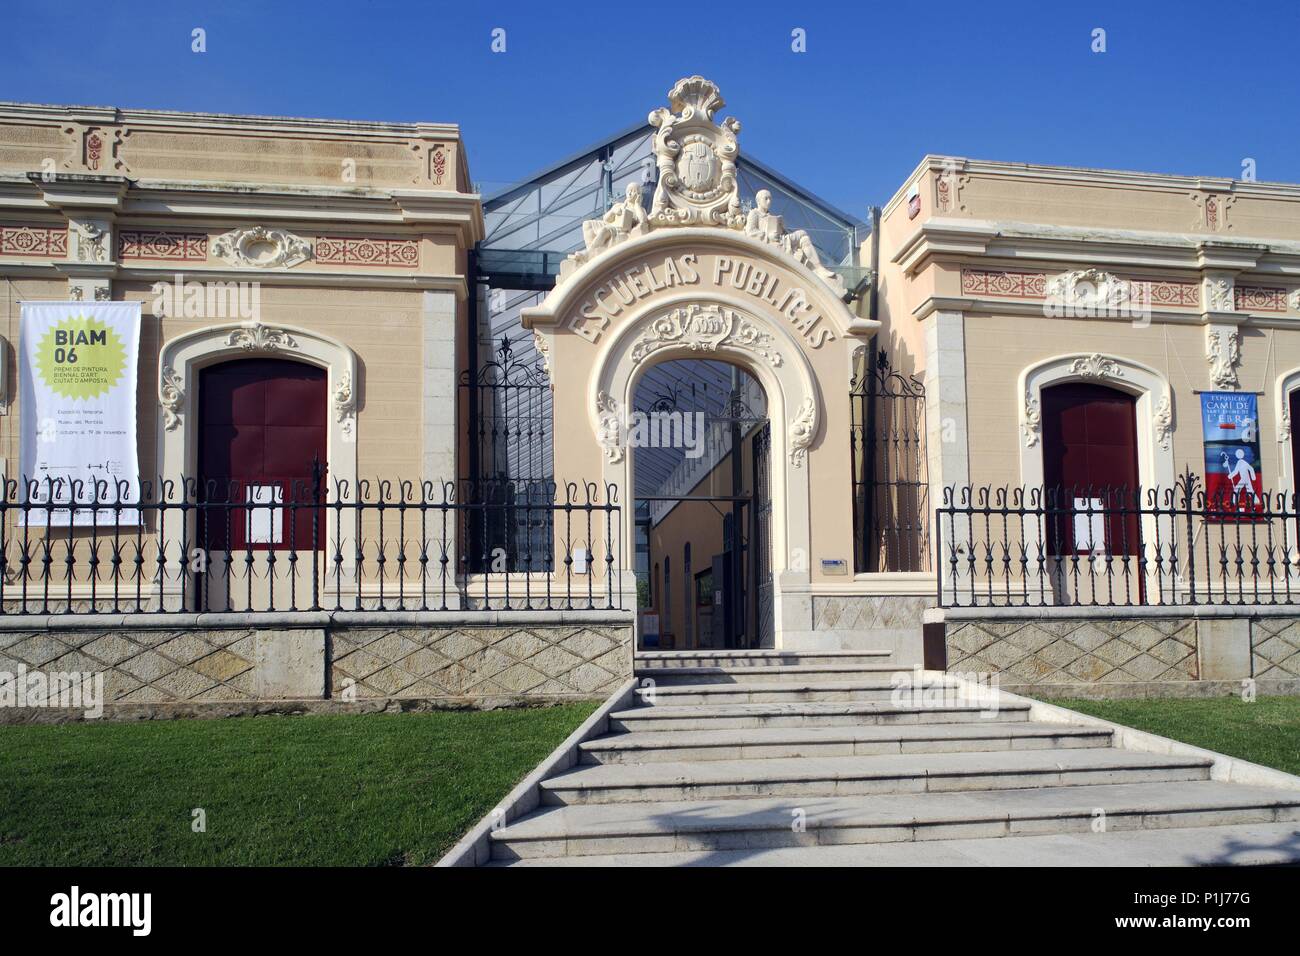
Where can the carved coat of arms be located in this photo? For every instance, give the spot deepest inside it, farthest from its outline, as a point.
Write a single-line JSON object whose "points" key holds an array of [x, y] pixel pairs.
{"points": [[696, 159]]}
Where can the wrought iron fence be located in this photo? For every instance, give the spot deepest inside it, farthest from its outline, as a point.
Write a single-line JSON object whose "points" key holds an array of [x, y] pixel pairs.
{"points": [[890, 484], [68, 547], [1116, 547]]}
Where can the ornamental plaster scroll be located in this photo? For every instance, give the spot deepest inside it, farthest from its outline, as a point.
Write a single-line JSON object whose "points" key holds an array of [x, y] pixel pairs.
{"points": [[90, 239], [259, 247], [1162, 422], [171, 396], [1220, 294], [702, 329], [345, 406], [609, 427], [256, 337], [1223, 353], [542, 346], [802, 428], [1096, 366], [1089, 289], [1031, 420]]}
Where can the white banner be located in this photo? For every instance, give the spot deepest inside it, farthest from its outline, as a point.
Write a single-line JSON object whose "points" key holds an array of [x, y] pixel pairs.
{"points": [[78, 373]]}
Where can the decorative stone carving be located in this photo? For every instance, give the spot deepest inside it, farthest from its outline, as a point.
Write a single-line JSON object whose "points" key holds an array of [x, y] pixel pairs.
{"points": [[76, 292], [1220, 295], [261, 338], [1089, 289], [543, 348], [763, 224], [1162, 422], [609, 427], [697, 186], [1212, 210], [702, 329], [103, 293], [623, 220], [1223, 353], [171, 396], [802, 427], [257, 247], [1096, 366], [1031, 420], [91, 240], [1284, 428], [696, 159], [345, 403], [1294, 300]]}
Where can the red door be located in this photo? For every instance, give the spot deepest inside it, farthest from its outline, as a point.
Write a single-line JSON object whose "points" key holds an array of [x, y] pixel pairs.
{"points": [[262, 425], [1090, 470]]}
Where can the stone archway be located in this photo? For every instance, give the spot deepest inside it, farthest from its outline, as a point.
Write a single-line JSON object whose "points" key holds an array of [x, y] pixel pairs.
{"points": [[712, 293]]}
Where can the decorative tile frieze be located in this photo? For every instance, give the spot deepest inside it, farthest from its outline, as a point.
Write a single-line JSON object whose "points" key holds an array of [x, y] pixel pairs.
{"points": [[1018, 285], [167, 246], [1252, 298], [44, 241], [367, 251], [1165, 293]]}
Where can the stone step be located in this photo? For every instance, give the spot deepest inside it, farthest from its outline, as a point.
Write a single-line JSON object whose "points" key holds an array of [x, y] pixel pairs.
{"points": [[873, 687], [847, 741], [849, 776], [802, 714], [1265, 844], [757, 658], [759, 673], [644, 831]]}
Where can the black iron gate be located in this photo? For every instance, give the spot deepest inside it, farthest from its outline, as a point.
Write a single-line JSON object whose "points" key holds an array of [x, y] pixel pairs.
{"points": [[761, 542], [891, 527], [507, 403]]}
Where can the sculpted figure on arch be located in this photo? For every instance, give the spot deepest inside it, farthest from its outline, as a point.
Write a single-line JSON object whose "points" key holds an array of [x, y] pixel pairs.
{"points": [[623, 219], [768, 226]]}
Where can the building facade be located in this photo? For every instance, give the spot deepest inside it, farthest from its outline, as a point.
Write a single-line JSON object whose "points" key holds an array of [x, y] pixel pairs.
{"points": [[397, 441]]}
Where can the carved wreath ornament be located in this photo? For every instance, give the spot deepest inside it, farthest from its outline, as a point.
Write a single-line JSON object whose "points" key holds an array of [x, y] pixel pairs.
{"points": [[703, 329]]}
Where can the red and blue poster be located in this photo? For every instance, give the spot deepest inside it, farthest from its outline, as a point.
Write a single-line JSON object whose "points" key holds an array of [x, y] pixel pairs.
{"points": [[1234, 484]]}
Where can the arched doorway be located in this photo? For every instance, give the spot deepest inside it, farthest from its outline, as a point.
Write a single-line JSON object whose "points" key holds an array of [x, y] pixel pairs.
{"points": [[699, 443], [1091, 489], [262, 437]]}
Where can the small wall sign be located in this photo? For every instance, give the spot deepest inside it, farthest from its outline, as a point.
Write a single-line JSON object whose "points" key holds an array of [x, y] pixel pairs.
{"points": [[834, 566]]}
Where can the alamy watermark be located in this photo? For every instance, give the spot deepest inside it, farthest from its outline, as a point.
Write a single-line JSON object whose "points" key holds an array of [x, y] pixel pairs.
{"points": [[193, 299], [73, 690], [658, 429], [915, 690]]}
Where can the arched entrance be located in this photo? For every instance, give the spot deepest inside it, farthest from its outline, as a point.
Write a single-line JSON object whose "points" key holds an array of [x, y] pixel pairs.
{"points": [[1091, 483], [700, 447], [262, 450], [701, 275]]}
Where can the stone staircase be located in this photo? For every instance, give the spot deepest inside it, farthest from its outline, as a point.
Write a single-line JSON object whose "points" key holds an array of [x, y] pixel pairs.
{"points": [[808, 759]]}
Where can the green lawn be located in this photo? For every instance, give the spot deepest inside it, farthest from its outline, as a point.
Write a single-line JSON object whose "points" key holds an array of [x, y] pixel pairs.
{"points": [[355, 790], [1265, 732]]}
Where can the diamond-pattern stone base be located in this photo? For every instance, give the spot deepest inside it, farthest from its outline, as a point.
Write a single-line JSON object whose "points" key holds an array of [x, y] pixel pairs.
{"points": [[468, 661], [1275, 647], [141, 666], [1070, 651]]}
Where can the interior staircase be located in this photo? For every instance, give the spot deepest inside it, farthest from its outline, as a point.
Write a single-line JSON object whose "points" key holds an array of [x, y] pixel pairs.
{"points": [[771, 758]]}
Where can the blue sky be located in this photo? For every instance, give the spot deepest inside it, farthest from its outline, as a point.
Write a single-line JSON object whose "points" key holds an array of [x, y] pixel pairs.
{"points": [[1190, 87]]}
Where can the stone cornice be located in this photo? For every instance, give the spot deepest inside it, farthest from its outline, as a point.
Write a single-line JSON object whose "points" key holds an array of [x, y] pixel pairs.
{"points": [[1083, 176], [432, 210], [968, 239], [226, 122]]}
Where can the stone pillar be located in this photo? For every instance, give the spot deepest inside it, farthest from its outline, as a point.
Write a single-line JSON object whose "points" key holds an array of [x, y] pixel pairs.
{"points": [[946, 422], [439, 435]]}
